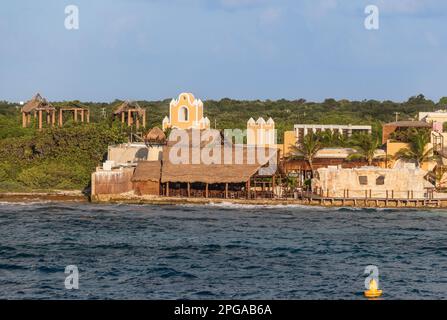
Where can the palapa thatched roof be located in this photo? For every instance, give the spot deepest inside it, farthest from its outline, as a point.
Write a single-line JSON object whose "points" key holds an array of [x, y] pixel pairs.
{"points": [[37, 103], [208, 173], [147, 171], [155, 135], [215, 173], [128, 105]]}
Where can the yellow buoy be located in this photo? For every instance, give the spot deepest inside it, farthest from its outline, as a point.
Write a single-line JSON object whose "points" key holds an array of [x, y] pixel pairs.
{"points": [[373, 291]]}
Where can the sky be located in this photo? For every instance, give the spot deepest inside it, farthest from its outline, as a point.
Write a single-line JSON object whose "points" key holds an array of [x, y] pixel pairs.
{"points": [[240, 49]]}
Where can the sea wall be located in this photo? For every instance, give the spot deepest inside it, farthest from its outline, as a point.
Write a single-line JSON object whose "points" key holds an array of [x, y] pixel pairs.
{"points": [[112, 181], [371, 182]]}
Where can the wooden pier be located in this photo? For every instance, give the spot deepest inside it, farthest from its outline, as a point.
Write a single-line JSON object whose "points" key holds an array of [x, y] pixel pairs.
{"points": [[374, 202]]}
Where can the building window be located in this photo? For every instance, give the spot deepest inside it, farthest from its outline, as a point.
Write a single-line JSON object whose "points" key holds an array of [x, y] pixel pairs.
{"points": [[363, 180], [183, 114], [380, 181]]}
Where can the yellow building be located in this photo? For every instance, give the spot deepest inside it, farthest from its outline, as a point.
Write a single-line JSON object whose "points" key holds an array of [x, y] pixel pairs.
{"points": [[290, 140], [393, 147], [186, 112]]}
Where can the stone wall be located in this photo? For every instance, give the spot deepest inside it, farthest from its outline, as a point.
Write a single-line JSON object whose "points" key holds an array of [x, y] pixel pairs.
{"points": [[112, 182], [371, 182]]}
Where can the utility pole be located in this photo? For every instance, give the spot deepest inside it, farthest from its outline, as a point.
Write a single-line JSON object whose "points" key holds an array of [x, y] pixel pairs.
{"points": [[397, 114]]}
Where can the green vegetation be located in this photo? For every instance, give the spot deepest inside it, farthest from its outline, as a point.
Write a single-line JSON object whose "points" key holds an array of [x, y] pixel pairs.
{"points": [[55, 158], [418, 151], [64, 158], [308, 148], [366, 146]]}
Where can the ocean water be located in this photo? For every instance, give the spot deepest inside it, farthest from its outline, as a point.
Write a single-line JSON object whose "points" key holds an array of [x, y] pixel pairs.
{"points": [[219, 251]]}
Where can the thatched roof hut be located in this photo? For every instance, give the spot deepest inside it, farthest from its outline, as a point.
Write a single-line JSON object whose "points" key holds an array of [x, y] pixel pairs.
{"points": [[37, 103], [233, 172], [208, 173], [129, 106], [155, 136], [147, 171], [133, 112]]}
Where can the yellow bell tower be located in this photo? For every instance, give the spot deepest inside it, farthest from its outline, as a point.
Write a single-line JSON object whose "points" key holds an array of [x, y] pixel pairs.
{"points": [[186, 112]]}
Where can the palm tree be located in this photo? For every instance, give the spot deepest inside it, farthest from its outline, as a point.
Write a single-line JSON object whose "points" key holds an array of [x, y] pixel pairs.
{"points": [[365, 146], [308, 148], [333, 139], [417, 151]]}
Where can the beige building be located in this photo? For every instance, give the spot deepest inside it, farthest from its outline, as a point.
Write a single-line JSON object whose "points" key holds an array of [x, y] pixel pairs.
{"points": [[186, 112], [291, 138], [439, 116], [372, 182]]}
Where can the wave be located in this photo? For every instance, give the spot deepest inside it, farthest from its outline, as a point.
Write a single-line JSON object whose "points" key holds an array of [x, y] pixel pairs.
{"points": [[23, 203], [232, 205]]}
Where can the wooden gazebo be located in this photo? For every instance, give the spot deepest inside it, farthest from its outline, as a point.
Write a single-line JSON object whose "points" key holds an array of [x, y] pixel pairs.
{"points": [[77, 110], [130, 112], [37, 106]]}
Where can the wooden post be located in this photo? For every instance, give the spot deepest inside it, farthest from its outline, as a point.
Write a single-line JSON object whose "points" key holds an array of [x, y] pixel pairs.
{"points": [[138, 122], [248, 189], [60, 118], [144, 118], [129, 118], [82, 115], [122, 117], [189, 190], [53, 118], [48, 118], [75, 115], [88, 116], [273, 185], [226, 190], [23, 119], [167, 189], [206, 190], [40, 119], [29, 118], [254, 185]]}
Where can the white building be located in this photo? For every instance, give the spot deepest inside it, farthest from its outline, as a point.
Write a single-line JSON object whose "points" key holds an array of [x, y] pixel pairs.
{"points": [[261, 132]]}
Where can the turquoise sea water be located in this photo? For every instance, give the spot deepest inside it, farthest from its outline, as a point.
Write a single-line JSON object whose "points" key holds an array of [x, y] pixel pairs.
{"points": [[219, 251]]}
